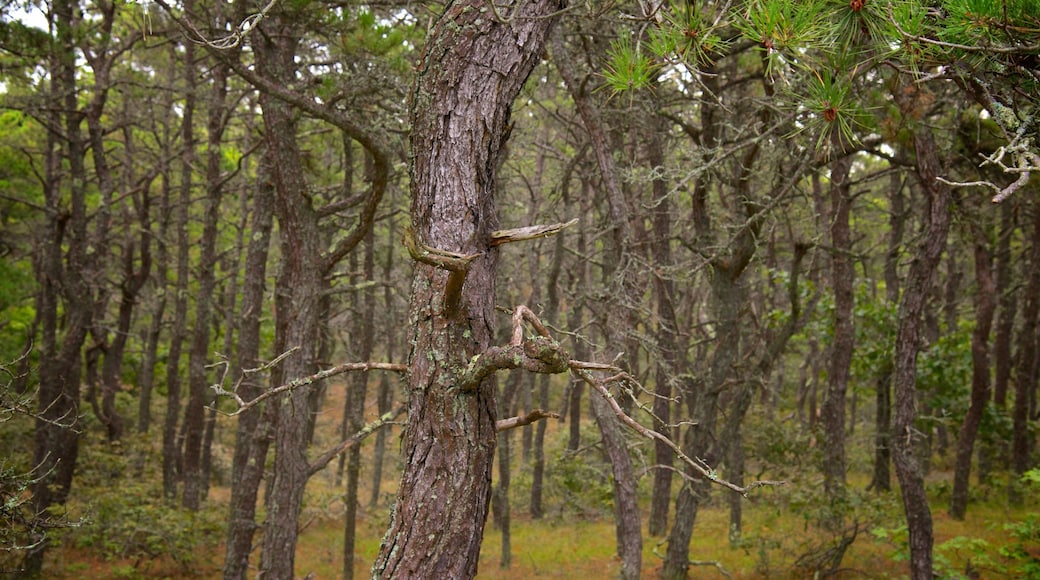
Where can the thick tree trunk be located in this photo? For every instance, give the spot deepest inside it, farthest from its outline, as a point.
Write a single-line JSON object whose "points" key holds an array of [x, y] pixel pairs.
{"points": [[911, 309], [300, 287], [472, 69], [985, 305]]}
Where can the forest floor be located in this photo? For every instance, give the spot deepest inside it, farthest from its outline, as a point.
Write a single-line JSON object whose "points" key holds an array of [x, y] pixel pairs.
{"points": [[576, 537]]}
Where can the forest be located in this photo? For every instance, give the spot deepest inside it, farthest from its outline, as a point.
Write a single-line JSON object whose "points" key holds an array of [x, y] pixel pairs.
{"points": [[518, 288]]}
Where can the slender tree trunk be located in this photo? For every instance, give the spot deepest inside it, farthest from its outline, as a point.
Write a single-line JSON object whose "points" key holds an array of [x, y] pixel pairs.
{"points": [[668, 361], [832, 416], [995, 447], [300, 287], [56, 445], [171, 448], [1026, 369], [354, 416], [881, 479], [471, 70], [624, 294], [911, 309], [252, 433], [985, 305], [194, 427], [384, 398]]}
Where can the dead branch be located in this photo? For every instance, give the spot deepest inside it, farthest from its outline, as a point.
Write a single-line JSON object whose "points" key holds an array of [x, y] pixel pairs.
{"points": [[526, 419], [700, 466], [322, 460], [295, 383], [528, 233]]}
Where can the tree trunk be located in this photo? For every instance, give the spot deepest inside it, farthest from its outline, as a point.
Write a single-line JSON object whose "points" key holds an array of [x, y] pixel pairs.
{"points": [[881, 479], [300, 287], [1026, 368], [911, 309], [251, 436], [995, 448], [832, 413], [668, 360], [985, 305], [472, 69], [384, 398], [171, 448], [354, 411], [57, 424], [193, 428]]}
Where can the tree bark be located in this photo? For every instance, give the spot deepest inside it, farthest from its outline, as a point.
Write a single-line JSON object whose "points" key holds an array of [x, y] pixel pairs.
{"points": [[985, 305], [171, 448], [252, 432], [56, 444], [911, 309], [193, 426], [471, 70], [1027, 364], [832, 413]]}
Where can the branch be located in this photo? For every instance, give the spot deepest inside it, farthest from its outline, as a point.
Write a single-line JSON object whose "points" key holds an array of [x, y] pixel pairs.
{"points": [[443, 259], [699, 465], [296, 383], [324, 459], [539, 354], [528, 233], [526, 419]]}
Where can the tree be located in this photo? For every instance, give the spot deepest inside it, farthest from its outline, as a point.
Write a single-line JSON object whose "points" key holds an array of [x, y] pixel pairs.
{"points": [[472, 68]]}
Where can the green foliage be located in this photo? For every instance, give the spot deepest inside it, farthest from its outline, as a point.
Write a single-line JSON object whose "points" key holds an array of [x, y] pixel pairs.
{"points": [[126, 517], [944, 374], [628, 68]]}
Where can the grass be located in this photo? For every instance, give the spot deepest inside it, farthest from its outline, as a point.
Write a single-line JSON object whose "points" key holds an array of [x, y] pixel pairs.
{"points": [[576, 539]]}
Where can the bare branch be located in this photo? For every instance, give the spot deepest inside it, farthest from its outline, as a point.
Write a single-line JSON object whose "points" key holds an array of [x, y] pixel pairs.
{"points": [[299, 382], [528, 233], [322, 460], [698, 465], [526, 419]]}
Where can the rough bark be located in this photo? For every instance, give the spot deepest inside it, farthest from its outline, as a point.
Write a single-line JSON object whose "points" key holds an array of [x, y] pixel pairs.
{"points": [[911, 309], [471, 70]]}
